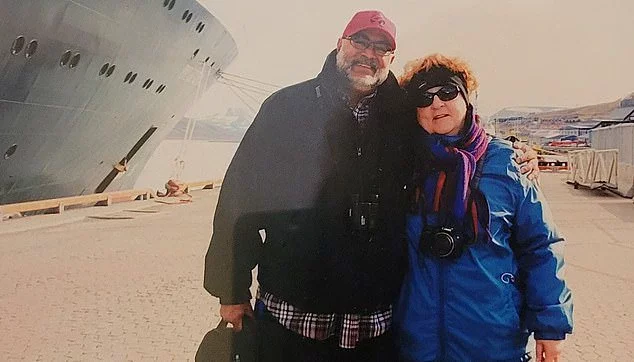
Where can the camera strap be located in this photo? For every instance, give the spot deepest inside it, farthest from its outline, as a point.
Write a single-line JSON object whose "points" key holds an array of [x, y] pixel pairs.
{"points": [[475, 181]]}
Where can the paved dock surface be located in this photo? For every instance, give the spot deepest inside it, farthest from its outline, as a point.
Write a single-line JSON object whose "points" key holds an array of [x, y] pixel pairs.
{"points": [[127, 285]]}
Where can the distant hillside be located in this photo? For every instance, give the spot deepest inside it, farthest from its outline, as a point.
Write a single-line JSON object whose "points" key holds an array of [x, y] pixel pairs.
{"points": [[596, 111]]}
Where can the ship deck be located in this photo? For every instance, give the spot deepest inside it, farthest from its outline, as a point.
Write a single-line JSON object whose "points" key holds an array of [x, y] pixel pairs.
{"points": [[124, 282]]}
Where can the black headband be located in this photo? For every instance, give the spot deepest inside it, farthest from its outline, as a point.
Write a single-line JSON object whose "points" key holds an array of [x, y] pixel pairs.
{"points": [[437, 76]]}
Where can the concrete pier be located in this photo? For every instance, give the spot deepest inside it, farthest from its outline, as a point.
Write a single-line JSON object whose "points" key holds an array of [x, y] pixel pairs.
{"points": [[124, 282]]}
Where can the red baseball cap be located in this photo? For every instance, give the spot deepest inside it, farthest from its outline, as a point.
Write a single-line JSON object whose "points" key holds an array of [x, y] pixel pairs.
{"points": [[371, 19]]}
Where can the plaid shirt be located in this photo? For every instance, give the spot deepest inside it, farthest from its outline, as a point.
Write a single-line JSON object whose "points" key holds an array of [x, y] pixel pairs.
{"points": [[349, 329], [362, 110]]}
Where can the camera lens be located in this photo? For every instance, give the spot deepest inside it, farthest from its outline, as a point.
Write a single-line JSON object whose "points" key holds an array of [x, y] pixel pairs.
{"points": [[443, 244]]}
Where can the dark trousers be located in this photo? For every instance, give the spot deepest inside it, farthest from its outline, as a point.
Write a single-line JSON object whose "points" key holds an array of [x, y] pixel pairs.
{"points": [[278, 344]]}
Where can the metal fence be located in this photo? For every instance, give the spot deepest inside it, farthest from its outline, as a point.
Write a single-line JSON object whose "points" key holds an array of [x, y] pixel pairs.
{"points": [[593, 168], [620, 137]]}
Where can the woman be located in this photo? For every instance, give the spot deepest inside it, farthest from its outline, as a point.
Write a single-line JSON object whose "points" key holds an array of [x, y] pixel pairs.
{"points": [[485, 260]]}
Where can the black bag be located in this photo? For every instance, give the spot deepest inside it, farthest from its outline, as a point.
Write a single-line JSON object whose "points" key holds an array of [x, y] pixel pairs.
{"points": [[223, 344]]}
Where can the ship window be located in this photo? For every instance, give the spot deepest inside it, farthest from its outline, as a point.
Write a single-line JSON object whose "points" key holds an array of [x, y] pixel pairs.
{"points": [[133, 78], [104, 69], [206, 60], [212, 64], [127, 77], [110, 70], [171, 6], [189, 17], [150, 84], [201, 28], [65, 58], [195, 53], [185, 14], [10, 151], [198, 26], [18, 45], [31, 49], [147, 81], [74, 60]]}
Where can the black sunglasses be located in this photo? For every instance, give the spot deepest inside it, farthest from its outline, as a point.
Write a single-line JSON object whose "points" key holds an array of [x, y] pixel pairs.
{"points": [[426, 98], [380, 48]]}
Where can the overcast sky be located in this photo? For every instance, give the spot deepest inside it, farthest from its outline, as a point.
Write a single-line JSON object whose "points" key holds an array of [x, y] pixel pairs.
{"points": [[524, 52]]}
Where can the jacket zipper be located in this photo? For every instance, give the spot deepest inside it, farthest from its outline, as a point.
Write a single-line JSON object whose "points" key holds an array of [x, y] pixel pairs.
{"points": [[442, 327]]}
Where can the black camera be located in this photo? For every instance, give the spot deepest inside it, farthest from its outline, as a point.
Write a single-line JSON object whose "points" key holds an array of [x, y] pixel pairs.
{"points": [[442, 242], [364, 214]]}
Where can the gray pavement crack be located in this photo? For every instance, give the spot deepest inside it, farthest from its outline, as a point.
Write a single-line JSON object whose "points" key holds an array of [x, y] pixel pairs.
{"points": [[599, 272]]}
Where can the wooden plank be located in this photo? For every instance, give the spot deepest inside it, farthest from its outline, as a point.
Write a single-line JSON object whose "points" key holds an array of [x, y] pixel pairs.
{"points": [[204, 185], [59, 204], [103, 199]]}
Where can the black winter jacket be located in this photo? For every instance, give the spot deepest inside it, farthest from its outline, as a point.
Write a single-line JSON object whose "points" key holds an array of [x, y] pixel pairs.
{"points": [[293, 176]]}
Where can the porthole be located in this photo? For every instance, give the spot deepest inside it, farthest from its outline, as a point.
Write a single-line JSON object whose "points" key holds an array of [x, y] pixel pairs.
{"points": [[31, 49], [150, 84], [185, 14], [133, 78], [127, 77], [198, 26], [147, 81], [206, 60], [10, 151], [189, 17], [74, 61], [104, 69], [212, 64], [201, 28], [65, 58], [110, 70], [18, 45], [195, 53], [171, 6]]}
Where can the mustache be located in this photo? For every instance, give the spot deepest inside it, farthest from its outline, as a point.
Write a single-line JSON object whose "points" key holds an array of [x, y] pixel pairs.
{"points": [[366, 61]]}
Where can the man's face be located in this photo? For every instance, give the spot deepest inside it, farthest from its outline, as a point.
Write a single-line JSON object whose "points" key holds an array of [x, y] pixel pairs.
{"points": [[365, 69]]}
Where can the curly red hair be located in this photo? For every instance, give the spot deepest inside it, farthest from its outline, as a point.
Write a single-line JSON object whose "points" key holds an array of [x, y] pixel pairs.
{"points": [[454, 64]]}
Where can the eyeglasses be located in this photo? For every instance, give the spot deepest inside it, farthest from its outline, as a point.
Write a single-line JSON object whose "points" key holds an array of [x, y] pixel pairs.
{"points": [[380, 48], [445, 94]]}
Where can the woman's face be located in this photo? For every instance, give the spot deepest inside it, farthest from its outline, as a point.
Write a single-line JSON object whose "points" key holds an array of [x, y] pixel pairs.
{"points": [[443, 117]]}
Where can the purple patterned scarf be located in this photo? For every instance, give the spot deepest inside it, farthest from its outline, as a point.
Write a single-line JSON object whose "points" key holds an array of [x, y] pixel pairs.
{"points": [[451, 165]]}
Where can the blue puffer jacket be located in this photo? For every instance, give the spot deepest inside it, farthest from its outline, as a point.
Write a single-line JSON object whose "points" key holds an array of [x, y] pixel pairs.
{"points": [[484, 305]]}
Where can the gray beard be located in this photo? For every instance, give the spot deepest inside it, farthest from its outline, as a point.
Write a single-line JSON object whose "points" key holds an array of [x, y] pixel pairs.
{"points": [[361, 84]]}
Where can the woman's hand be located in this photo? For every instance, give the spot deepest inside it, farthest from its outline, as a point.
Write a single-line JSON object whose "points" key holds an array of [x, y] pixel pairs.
{"points": [[548, 351], [527, 160]]}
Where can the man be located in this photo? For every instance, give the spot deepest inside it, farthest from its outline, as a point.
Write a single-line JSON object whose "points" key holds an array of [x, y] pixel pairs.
{"points": [[312, 197], [311, 175]]}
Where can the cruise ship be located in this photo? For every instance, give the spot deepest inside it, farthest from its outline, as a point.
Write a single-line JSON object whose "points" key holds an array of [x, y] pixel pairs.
{"points": [[89, 88]]}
